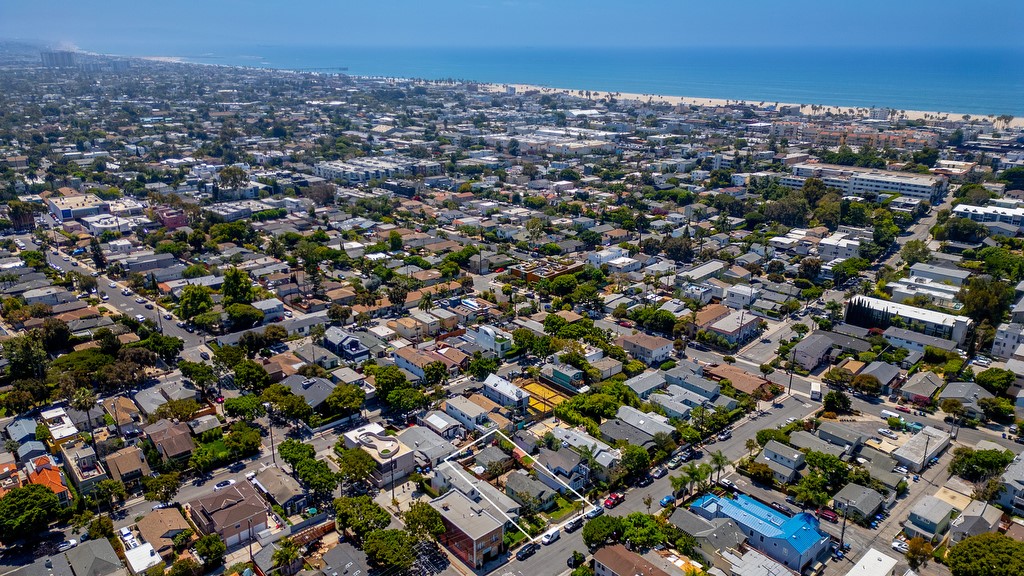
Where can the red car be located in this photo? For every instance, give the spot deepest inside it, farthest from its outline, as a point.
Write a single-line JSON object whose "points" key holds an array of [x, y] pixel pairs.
{"points": [[613, 500], [903, 409], [625, 324]]}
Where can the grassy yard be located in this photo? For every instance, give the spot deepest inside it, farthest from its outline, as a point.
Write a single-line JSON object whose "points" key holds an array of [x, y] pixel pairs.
{"points": [[562, 508]]}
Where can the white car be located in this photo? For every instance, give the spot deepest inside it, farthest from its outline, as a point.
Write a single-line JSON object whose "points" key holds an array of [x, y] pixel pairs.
{"points": [[888, 433], [900, 546], [112, 285], [900, 470], [67, 545], [223, 484]]}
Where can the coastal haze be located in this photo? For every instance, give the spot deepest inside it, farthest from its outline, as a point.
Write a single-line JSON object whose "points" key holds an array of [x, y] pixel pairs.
{"points": [[510, 288]]}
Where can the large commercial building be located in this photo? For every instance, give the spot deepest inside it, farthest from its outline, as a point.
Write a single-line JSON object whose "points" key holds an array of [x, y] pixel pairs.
{"points": [[867, 181], [868, 312], [362, 170]]}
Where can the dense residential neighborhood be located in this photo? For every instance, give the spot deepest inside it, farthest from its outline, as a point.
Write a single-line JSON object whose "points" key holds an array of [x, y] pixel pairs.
{"points": [[265, 322]]}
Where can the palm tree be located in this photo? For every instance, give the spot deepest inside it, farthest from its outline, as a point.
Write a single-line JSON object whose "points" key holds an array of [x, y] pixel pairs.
{"points": [[704, 472], [426, 302], [286, 553], [316, 337], [678, 483], [752, 446], [84, 400], [719, 461], [692, 473]]}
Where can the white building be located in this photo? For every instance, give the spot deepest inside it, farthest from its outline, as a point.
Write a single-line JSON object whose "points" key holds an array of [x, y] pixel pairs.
{"points": [[740, 296], [492, 338], [1008, 337], [838, 245], [506, 393]]}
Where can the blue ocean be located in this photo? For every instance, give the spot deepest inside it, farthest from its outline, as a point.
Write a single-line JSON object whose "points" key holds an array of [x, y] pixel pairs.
{"points": [[979, 82]]}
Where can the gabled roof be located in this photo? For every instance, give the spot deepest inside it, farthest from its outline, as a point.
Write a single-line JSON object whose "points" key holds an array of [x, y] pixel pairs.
{"points": [[93, 558]]}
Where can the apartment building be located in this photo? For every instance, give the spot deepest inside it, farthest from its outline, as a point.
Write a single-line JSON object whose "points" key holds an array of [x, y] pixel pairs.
{"points": [[651, 350]]}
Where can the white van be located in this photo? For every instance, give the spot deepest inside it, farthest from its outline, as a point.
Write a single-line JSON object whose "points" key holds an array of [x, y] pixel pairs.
{"points": [[550, 536]]}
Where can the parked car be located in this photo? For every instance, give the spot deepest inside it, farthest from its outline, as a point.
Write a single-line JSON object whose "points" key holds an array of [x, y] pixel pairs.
{"points": [[675, 462], [644, 481], [574, 524], [550, 537], [900, 546], [727, 484], [888, 433], [224, 484], [900, 470], [526, 551], [595, 512], [829, 515], [658, 471], [204, 355], [667, 501], [782, 507], [614, 499], [903, 409], [67, 545]]}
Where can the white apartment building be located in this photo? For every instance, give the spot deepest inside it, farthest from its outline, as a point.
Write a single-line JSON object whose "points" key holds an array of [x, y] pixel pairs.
{"points": [[1013, 216], [867, 181], [838, 246], [1008, 337], [607, 255], [740, 296]]}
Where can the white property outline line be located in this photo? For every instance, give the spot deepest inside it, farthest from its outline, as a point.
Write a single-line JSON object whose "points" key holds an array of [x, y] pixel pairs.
{"points": [[457, 466]]}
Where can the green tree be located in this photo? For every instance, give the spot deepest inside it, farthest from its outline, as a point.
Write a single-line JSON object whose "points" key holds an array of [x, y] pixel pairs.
{"points": [[243, 440], [185, 567], [354, 465], [286, 552], [98, 259], [599, 530], [248, 407], [641, 530], [251, 376], [108, 490], [294, 451], [390, 548], [867, 384], [361, 515], [423, 521], [237, 287], [26, 356], [918, 552], [194, 300], [836, 401], [233, 178], [988, 554], [25, 512], [636, 459], [243, 316], [761, 473], [201, 374], [435, 373], [101, 527], [318, 477], [915, 251], [995, 380], [211, 549], [161, 488], [178, 409], [345, 399]]}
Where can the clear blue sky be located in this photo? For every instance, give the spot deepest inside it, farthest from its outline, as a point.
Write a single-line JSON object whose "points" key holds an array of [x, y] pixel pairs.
{"points": [[142, 27]]}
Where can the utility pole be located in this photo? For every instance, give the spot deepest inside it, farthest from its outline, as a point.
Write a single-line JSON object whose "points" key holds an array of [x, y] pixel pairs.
{"points": [[792, 359], [270, 424], [842, 532]]}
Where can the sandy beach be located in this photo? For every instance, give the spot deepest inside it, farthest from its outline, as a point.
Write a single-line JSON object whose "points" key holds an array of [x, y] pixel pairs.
{"points": [[807, 109]]}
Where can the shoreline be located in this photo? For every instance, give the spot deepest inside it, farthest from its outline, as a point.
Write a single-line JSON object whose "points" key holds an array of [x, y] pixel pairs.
{"points": [[806, 109]]}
